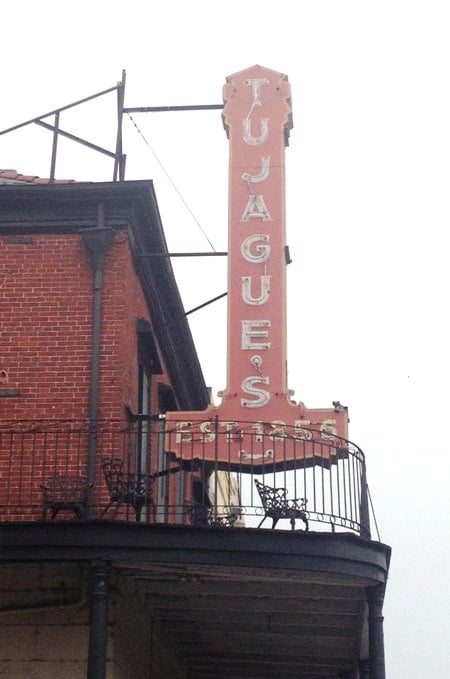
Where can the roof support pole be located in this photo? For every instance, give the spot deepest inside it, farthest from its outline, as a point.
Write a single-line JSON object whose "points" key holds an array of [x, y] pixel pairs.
{"points": [[119, 160], [98, 625], [54, 147], [375, 597]]}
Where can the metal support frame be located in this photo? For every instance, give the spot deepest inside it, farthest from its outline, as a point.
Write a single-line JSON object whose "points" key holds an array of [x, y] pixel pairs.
{"points": [[168, 109], [119, 157]]}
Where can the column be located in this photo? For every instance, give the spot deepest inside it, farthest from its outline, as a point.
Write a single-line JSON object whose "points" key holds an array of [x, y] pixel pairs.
{"points": [[98, 627], [375, 597]]}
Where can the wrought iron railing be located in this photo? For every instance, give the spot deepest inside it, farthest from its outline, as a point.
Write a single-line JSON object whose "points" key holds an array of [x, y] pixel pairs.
{"points": [[192, 473]]}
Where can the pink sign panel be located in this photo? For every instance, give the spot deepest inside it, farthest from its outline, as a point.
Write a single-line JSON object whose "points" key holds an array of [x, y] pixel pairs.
{"points": [[257, 117]]}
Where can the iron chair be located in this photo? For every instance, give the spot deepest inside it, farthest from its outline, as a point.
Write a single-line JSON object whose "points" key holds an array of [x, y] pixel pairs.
{"points": [[277, 506], [132, 489]]}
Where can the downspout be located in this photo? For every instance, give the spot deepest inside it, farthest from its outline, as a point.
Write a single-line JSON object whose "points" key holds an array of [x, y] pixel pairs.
{"points": [[97, 242]]}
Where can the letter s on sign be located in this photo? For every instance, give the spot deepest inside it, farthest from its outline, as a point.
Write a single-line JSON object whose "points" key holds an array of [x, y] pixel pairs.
{"points": [[248, 387], [207, 430]]}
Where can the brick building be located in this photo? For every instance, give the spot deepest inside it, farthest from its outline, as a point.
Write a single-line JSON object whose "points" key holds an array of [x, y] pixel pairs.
{"points": [[132, 536], [93, 335], [185, 597]]}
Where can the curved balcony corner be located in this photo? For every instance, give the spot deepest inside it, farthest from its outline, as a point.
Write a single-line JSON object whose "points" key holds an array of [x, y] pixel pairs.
{"points": [[206, 475]]}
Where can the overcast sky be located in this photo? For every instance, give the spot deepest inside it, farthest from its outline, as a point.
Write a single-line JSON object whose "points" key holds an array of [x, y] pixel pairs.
{"points": [[368, 175]]}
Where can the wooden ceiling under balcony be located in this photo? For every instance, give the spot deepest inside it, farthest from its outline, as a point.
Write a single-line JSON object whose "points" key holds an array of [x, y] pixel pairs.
{"points": [[238, 622]]}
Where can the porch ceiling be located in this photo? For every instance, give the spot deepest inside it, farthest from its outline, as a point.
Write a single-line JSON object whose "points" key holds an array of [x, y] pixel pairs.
{"points": [[236, 622], [235, 603]]}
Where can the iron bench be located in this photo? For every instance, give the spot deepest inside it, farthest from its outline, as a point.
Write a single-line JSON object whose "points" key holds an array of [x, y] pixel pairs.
{"points": [[277, 506], [65, 492]]}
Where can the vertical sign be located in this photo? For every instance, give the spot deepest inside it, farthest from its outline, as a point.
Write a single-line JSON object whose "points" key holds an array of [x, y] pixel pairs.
{"points": [[257, 117]]}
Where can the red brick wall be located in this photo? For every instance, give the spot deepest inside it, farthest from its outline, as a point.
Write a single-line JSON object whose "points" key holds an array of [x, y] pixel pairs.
{"points": [[46, 319], [46, 328], [46, 305]]}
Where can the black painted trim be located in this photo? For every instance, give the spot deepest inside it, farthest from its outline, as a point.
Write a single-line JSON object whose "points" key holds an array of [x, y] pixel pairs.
{"points": [[343, 554]]}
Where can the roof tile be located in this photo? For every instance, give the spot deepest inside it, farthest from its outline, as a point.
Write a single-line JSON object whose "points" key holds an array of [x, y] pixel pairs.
{"points": [[11, 176]]}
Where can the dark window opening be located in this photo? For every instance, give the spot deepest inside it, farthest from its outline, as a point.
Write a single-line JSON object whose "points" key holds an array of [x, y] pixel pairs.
{"points": [[166, 399]]}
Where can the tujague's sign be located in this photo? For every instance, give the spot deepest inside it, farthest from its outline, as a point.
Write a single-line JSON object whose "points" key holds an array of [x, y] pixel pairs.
{"points": [[257, 415]]}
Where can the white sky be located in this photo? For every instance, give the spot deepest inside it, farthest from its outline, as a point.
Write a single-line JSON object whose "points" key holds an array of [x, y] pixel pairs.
{"points": [[368, 170]]}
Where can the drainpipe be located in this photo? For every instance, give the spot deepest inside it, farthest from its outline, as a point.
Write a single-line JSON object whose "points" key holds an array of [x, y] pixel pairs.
{"points": [[97, 242]]}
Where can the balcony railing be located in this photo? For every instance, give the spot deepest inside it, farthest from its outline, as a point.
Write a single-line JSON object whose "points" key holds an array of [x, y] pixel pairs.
{"points": [[193, 475]]}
